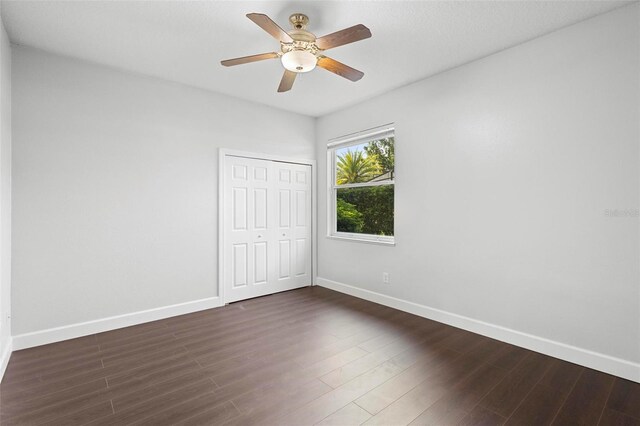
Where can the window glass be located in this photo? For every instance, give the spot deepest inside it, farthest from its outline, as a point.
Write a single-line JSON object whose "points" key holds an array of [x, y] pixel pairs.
{"points": [[365, 210], [367, 162], [363, 189]]}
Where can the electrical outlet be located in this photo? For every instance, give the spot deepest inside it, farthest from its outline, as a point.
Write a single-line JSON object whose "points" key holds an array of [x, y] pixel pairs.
{"points": [[385, 277]]}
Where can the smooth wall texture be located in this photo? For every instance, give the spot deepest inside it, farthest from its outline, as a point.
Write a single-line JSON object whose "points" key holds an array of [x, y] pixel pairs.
{"points": [[517, 189], [5, 198], [115, 187]]}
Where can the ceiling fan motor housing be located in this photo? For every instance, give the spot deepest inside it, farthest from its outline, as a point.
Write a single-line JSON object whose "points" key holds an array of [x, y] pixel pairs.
{"points": [[299, 21]]}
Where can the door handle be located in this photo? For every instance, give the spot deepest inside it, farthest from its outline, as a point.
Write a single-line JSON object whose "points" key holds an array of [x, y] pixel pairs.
{"points": [[259, 236]]}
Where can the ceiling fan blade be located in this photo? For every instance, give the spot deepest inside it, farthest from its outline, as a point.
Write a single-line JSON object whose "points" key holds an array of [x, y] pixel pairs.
{"points": [[248, 59], [346, 36], [287, 81], [339, 68], [264, 22]]}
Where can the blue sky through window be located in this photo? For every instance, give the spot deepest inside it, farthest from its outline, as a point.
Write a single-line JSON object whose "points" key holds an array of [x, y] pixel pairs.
{"points": [[352, 148]]}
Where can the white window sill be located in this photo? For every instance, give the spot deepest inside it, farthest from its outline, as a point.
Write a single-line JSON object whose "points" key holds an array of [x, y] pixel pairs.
{"points": [[362, 240]]}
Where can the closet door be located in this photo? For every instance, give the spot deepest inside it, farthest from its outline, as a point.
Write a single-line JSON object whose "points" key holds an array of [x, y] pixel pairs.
{"points": [[267, 227], [293, 228]]}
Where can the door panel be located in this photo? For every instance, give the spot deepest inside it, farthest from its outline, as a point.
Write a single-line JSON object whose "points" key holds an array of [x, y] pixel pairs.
{"points": [[260, 173], [267, 227], [301, 208], [260, 208], [284, 208], [301, 177], [301, 258], [239, 208], [284, 256], [240, 171], [285, 175], [240, 265], [260, 267]]}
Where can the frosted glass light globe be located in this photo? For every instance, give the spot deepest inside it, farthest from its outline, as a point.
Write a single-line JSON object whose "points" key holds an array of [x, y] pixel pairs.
{"points": [[299, 61]]}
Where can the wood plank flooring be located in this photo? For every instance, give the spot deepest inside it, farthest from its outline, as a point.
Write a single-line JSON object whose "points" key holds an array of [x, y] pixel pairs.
{"points": [[304, 357]]}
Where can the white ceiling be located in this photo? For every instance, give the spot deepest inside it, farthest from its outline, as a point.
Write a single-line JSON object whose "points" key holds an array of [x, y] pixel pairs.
{"points": [[185, 41]]}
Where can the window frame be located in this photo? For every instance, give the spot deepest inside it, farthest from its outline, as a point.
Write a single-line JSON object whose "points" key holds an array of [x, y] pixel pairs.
{"points": [[381, 132]]}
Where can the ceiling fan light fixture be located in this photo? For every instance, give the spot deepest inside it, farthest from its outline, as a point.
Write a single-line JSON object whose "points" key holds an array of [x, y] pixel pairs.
{"points": [[299, 61]]}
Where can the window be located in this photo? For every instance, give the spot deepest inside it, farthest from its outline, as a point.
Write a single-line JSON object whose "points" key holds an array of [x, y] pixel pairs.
{"points": [[361, 185]]}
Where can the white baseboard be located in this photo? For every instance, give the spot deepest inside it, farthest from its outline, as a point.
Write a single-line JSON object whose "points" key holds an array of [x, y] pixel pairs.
{"points": [[4, 357], [597, 361], [43, 337]]}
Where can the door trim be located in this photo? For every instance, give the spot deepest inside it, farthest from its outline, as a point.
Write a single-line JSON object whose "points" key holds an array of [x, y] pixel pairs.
{"points": [[223, 153]]}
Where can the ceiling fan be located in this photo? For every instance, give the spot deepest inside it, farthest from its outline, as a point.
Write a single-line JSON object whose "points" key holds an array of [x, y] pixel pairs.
{"points": [[301, 51]]}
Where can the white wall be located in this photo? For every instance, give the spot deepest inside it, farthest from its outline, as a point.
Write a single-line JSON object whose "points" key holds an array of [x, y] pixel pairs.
{"points": [[505, 167], [115, 187], [5, 198]]}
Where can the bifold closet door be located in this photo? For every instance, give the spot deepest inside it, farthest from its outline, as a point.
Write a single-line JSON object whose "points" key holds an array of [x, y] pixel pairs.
{"points": [[267, 227], [293, 227]]}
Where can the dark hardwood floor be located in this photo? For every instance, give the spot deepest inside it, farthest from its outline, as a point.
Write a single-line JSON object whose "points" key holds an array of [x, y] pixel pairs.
{"points": [[310, 356]]}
